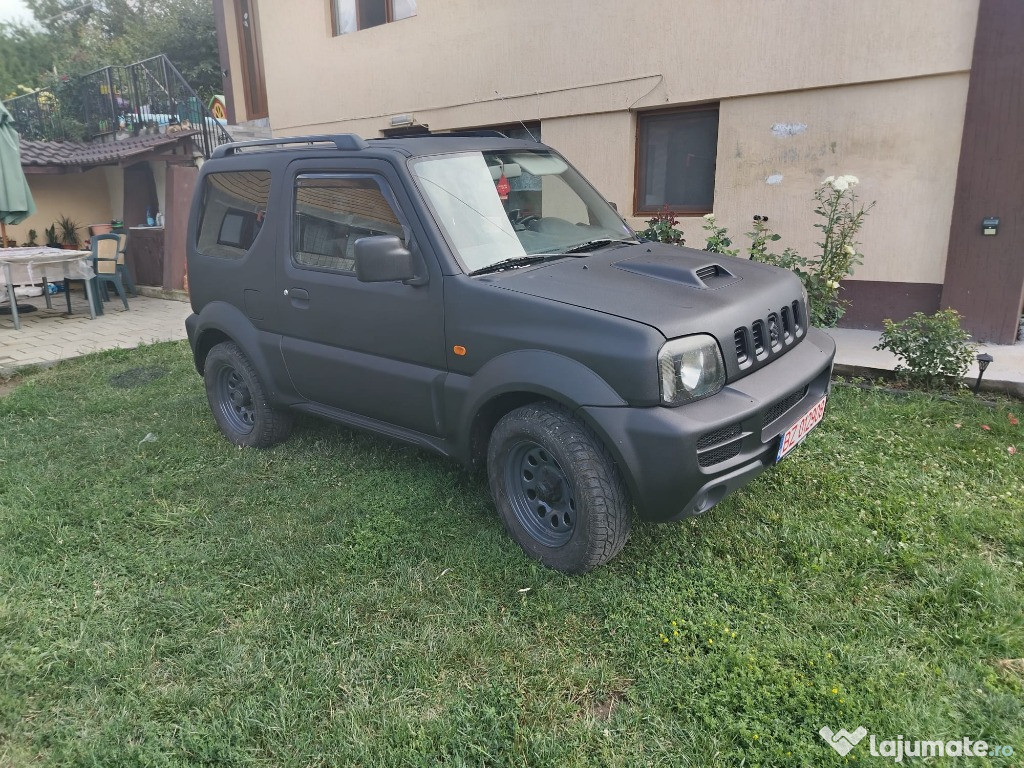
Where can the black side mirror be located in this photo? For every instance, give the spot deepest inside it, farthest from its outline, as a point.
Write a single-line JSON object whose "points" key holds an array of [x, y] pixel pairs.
{"points": [[385, 259], [614, 206]]}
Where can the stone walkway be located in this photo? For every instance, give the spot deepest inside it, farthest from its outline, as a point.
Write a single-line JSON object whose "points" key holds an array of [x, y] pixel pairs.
{"points": [[50, 335]]}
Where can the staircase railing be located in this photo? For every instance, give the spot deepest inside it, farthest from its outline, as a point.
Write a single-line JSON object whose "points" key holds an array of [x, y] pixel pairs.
{"points": [[118, 101]]}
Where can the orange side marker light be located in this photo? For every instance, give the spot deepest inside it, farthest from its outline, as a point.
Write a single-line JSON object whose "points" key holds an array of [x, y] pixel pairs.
{"points": [[458, 349]]}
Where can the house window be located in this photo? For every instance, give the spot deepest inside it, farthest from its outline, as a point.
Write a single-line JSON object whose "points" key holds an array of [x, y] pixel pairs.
{"points": [[352, 15], [675, 160]]}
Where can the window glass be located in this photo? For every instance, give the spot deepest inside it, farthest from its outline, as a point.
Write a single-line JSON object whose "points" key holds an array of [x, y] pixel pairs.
{"points": [[372, 13], [331, 213], [402, 9], [233, 208], [499, 205], [676, 153]]}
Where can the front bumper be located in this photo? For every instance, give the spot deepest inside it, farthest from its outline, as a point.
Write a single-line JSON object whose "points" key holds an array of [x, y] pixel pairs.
{"points": [[680, 462]]}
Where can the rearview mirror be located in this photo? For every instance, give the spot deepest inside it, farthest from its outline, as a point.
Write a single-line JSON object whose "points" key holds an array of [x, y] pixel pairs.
{"points": [[385, 259]]}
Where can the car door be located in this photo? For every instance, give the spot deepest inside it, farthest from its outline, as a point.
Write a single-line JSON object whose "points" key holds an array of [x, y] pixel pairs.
{"points": [[372, 349]]}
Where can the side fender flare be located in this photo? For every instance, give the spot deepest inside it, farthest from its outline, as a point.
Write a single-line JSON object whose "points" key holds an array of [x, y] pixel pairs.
{"points": [[547, 375], [220, 321]]}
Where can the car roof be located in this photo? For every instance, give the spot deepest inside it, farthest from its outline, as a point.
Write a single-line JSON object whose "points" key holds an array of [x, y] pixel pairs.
{"points": [[413, 146]]}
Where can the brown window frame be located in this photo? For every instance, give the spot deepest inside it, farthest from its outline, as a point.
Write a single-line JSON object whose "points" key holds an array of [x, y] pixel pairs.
{"points": [[640, 157], [389, 13]]}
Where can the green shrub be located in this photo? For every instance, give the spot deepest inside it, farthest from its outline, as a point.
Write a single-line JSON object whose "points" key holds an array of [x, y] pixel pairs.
{"points": [[661, 228], [930, 347]]}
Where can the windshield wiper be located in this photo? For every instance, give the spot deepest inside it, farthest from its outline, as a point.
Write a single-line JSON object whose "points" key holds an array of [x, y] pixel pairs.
{"points": [[593, 245], [515, 262]]}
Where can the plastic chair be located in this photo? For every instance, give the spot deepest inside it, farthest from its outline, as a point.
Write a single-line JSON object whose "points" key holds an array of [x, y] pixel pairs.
{"points": [[104, 259], [104, 264], [122, 268]]}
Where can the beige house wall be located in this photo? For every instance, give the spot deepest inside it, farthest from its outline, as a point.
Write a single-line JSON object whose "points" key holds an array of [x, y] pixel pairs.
{"points": [[84, 198], [876, 89], [901, 139]]}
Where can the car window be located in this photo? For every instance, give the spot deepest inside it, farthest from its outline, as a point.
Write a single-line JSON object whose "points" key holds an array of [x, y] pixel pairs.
{"points": [[332, 213], [233, 208]]}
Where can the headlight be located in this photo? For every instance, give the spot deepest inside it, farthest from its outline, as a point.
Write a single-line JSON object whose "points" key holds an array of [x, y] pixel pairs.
{"points": [[690, 368]]}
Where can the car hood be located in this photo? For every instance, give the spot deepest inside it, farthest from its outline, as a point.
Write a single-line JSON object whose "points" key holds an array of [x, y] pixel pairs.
{"points": [[677, 291]]}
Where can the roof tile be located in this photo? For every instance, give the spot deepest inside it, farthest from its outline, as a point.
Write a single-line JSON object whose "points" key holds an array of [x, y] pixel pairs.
{"points": [[75, 153]]}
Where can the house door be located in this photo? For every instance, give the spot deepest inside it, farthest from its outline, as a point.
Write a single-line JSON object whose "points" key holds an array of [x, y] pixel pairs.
{"points": [[253, 84]]}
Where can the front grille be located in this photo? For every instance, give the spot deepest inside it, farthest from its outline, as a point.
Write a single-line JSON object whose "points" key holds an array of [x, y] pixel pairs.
{"points": [[787, 323], [770, 335], [780, 408], [774, 331], [719, 445], [758, 334], [742, 356]]}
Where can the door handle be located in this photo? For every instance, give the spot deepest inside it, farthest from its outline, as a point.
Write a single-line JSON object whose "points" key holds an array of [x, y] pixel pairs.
{"points": [[299, 297]]}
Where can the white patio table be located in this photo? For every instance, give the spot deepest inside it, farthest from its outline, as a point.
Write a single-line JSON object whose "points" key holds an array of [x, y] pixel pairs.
{"points": [[33, 264]]}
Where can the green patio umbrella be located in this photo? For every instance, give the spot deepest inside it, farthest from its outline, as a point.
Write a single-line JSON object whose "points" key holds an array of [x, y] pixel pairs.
{"points": [[16, 202]]}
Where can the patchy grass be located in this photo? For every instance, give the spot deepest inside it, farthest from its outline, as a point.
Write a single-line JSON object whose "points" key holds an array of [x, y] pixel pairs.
{"points": [[343, 600]]}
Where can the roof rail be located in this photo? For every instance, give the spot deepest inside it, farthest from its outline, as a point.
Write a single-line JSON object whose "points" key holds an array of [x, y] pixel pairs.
{"points": [[482, 134], [343, 141]]}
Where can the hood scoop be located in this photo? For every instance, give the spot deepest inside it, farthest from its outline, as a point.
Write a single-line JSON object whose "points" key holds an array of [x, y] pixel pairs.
{"points": [[708, 277]]}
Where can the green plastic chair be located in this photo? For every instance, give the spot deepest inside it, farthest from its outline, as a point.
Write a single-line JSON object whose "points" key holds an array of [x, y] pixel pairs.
{"points": [[104, 264], [105, 254]]}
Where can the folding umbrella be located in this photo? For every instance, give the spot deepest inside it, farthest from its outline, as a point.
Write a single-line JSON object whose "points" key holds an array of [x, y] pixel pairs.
{"points": [[16, 202]]}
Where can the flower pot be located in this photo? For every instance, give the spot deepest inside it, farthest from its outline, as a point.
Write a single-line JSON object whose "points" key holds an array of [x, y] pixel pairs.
{"points": [[100, 229]]}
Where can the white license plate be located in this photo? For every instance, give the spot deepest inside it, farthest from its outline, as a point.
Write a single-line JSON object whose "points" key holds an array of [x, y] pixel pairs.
{"points": [[795, 435]]}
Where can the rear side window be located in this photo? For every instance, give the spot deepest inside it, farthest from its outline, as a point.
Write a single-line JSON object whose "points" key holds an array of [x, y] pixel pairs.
{"points": [[233, 209], [332, 212]]}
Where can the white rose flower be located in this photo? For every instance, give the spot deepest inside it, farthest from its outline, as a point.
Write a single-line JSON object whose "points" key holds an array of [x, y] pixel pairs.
{"points": [[840, 184], [851, 180], [833, 284], [828, 180], [849, 250], [709, 217]]}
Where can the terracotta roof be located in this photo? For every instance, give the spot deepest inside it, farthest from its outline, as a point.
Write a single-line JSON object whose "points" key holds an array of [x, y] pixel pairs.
{"points": [[82, 153]]}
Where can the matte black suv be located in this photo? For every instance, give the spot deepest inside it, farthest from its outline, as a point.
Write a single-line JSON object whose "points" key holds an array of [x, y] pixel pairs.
{"points": [[477, 297]]}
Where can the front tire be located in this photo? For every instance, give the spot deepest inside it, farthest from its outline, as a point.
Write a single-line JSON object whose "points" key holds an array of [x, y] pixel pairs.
{"points": [[557, 489], [239, 401]]}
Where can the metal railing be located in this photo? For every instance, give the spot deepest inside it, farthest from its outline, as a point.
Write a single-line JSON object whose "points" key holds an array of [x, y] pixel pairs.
{"points": [[111, 103]]}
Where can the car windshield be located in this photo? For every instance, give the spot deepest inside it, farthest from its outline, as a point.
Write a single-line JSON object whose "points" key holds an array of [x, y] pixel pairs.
{"points": [[503, 206]]}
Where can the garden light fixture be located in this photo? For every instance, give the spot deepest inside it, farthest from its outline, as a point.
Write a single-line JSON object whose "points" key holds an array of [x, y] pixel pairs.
{"points": [[984, 359]]}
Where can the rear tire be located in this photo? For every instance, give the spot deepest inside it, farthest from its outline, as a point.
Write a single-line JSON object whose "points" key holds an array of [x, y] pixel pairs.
{"points": [[557, 489], [239, 401]]}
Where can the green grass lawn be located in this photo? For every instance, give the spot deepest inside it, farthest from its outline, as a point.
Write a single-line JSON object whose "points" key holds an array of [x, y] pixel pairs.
{"points": [[343, 600]]}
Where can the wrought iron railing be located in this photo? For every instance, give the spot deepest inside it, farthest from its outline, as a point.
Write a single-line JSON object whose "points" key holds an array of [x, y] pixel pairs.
{"points": [[115, 102]]}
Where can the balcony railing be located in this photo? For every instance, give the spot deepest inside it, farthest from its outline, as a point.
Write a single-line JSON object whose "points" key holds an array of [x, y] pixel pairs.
{"points": [[115, 102]]}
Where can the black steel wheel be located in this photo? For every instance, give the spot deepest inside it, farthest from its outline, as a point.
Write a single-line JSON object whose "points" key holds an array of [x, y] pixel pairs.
{"points": [[557, 489], [239, 402]]}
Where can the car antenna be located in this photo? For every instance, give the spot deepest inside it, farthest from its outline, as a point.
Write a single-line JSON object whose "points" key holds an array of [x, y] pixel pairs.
{"points": [[502, 98]]}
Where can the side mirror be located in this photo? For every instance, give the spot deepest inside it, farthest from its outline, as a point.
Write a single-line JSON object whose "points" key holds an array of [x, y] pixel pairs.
{"points": [[614, 206], [385, 259]]}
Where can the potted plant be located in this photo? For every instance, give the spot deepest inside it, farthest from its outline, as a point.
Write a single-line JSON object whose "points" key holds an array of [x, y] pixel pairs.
{"points": [[33, 237], [51, 236], [68, 233]]}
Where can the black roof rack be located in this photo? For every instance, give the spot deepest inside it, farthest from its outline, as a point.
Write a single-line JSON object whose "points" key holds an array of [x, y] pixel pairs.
{"points": [[486, 134], [344, 141]]}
